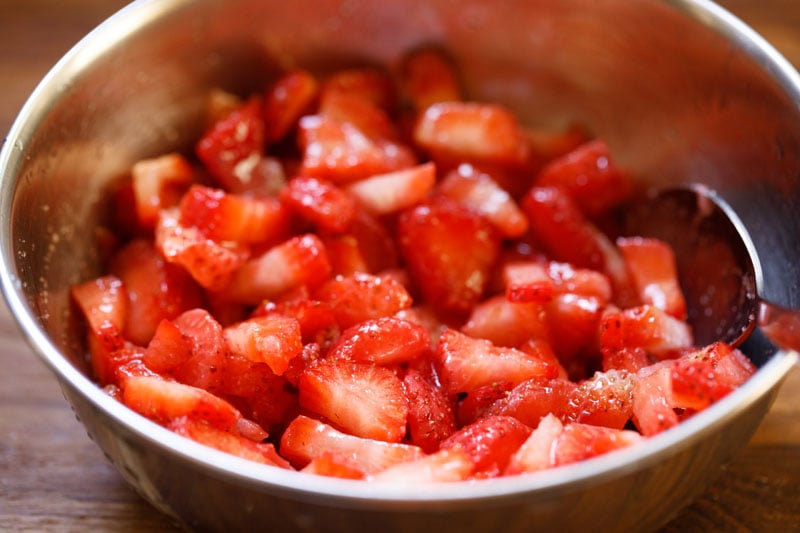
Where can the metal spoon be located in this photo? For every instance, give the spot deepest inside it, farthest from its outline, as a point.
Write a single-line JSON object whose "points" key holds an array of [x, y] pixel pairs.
{"points": [[718, 267]]}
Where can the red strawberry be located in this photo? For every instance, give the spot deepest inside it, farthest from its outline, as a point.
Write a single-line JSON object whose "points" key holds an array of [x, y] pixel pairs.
{"points": [[430, 414], [382, 194], [654, 273], [549, 145], [345, 255], [321, 202], [168, 348], [382, 341], [158, 183], [645, 327], [605, 399], [429, 77], [489, 442], [367, 84], [102, 301], [209, 350], [362, 399], [285, 101], [506, 323], [306, 439], [476, 403], [450, 251], [363, 297], [358, 110], [536, 453], [438, 467], [328, 465], [272, 339], [465, 363], [316, 319], [653, 410], [533, 399]]}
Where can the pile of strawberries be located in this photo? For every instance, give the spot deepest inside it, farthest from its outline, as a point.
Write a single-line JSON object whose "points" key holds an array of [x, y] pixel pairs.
{"points": [[368, 276]]}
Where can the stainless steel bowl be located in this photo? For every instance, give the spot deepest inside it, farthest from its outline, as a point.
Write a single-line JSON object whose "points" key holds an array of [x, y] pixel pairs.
{"points": [[682, 91]]}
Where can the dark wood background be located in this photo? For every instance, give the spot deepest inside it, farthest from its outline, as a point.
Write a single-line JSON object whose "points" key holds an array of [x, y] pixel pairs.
{"points": [[53, 478]]}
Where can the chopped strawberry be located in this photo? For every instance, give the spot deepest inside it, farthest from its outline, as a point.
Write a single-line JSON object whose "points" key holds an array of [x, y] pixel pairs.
{"points": [[430, 414], [345, 255], [362, 297], [306, 438], [429, 77], [321, 202], [645, 327], [375, 243], [317, 320], [285, 101], [158, 183], [653, 410], [550, 145], [590, 176], [368, 84], [224, 216], [478, 191], [507, 323], [439, 467], [363, 399], [652, 266], [272, 339], [209, 350], [226, 441], [168, 348], [357, 110], [156, 289], [382, 194], [695, 384], [489, 442], [298, 261], [466, 363], [534, 281], [573, 323], [327, 465], [467, 131], [102, 301], [382, 341], [730, 365], [533, 399], [450, 251], [210, 263], [605, 399], [474, 404], [536, 453], [629, 359]]}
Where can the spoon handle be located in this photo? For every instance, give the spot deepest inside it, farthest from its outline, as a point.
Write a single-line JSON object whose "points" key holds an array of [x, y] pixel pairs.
{"points": [[780, 324]]}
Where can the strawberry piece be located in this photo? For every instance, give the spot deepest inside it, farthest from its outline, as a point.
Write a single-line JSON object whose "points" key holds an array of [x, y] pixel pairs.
{"points": [[232, 217], [285, 101], [158, 184], [478, 191], [442, 466], [490, 443], [345, 255], [327, 465], [654, 273], [383, 341], [298, 261], [162, 401], [102, 301], [316, 319], [533, 399], [466, 363], [472, 132], [156, 289], [273, 339], [730, 365], [475, 403], [605, 399], [319, 201], [573, 323], [358, 110], [375, 244], [362, 399], [695, 385], [367, 84], [550, 145], [590, 177], [629, 359], [230, 442], [306, 439], [168, 348], [362, 297], [388, 193], [450, 251], [429, 77], [430, 414], [208, 350], [536, 453], [645, 327], [209, 262], [232, 149], [506, 323], [653, 410]]}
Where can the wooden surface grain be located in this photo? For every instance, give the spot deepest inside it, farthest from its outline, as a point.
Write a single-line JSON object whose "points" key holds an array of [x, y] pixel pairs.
{"points": [[53, 478]]}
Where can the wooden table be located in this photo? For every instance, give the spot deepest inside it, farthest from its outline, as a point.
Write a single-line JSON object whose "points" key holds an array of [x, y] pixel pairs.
{"points": [[53, 478]]}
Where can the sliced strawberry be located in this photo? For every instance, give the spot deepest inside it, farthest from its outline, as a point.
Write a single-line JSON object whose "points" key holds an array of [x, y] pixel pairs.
{"points": [[156, 289], [582, 441], [224, 216], [573, 323], [317, 320], [345, 255], [273, 339], [327, 465], [730, 365], [653, 410], [442, 466], [591, 177], [209, 262], [654, 273], [383, 341], [450, 251], [550, 145], [536, 453], [356, 109], [158, 183], [388, 193], [362, 297], [489, 442], [319, 201], [367, 84], [168, 348], [466, 363], [162, 400], [362, 399], [430, 414], [226, 441], [478, 191], [629, 359], [285, 101], [533, 399], [102, 301], [474, 404], [209, 350], [375, 243], [233, 147], [306, 439], [645, 327], [429, 77], [467, 131], [298, 261], [695, 385], [506, 323], [605, 399]]}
